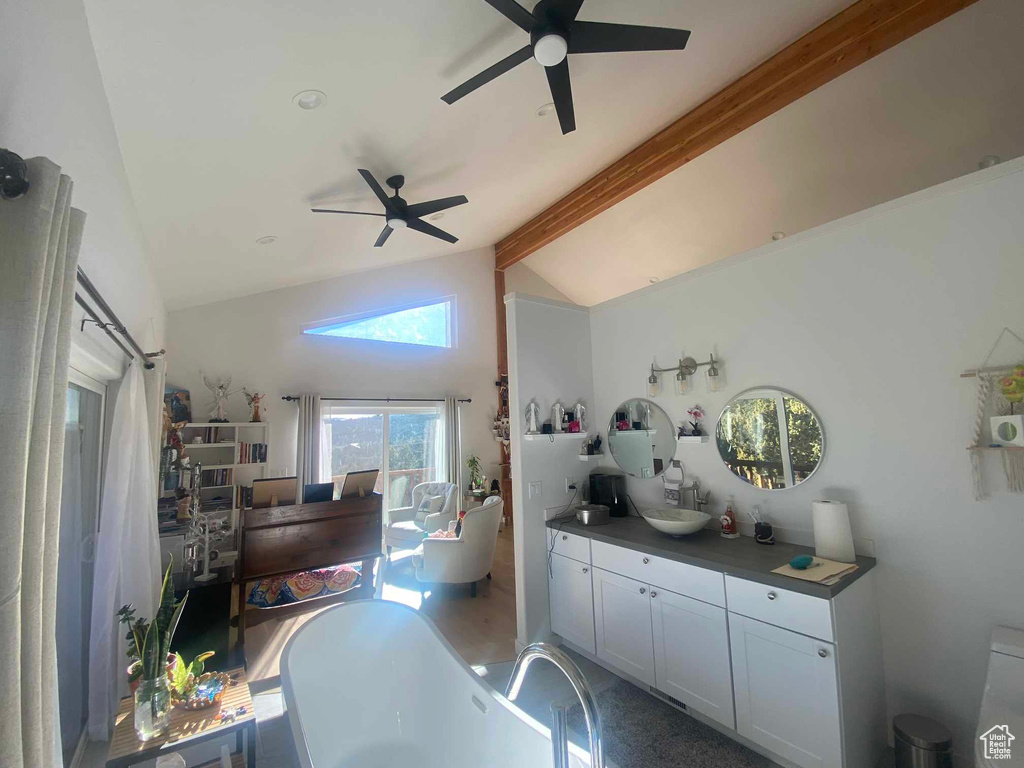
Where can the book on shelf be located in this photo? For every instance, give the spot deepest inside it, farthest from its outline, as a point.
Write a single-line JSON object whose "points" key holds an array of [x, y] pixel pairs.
{"points": [[243, 496], [211, 477], [252, 453]]}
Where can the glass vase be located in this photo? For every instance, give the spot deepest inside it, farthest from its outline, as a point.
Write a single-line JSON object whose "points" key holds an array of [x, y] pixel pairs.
{"points": [[152, 708]]}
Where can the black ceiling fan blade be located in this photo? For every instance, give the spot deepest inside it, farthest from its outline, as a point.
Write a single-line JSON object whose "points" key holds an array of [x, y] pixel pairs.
{"points": [[567, 10], [561, 94], [429, 229], [351, 213], [377, 190], [433, 206], [493, 71], [515, 13], [597, 37], [383, 237]]}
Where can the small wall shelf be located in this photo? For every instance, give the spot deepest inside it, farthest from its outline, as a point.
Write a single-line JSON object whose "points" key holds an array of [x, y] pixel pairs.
{"points": [[551, 437], [588, 457], [692, 438]]}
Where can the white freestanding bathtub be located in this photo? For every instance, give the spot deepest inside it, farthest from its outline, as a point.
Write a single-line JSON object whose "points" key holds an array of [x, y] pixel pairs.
{"points": [[373, 684]]}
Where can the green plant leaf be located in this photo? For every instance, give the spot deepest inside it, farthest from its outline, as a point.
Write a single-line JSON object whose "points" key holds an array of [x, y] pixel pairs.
{"points": [[179, 674]]}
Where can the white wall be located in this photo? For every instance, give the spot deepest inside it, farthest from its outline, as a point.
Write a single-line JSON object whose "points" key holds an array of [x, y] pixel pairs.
{"points": [[257, 341], [869, 319], [519, 278], [52, 103], [549, 360]]}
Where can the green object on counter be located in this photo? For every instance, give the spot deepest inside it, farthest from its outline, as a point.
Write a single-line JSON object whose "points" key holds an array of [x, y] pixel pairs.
{"points": [[801, 562]]}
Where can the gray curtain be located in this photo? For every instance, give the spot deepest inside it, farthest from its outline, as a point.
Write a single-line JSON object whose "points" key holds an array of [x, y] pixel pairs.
{"points": [[40, 235], [307, 453], [453, 444]]}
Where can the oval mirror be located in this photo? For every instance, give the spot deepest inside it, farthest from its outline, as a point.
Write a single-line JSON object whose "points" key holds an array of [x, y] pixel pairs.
{"points": [[641, 438], [770, 438]]}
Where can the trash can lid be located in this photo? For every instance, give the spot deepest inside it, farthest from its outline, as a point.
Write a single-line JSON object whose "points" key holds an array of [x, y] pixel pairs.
{"points": [[922, 732]]}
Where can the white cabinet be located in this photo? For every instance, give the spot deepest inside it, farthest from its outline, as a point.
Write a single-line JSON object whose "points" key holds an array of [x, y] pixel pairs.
{"points": [[787, 698], [572, 601], [622, 619], [691, 654]]}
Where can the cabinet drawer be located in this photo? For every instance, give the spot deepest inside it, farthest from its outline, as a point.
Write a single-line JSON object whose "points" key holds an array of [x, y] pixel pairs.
{"points": [[569, 545], [689, 580], [781, 607]]}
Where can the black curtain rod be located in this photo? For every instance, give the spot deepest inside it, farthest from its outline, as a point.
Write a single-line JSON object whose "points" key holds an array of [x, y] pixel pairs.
{"points": [[293, 398], [105, 326], [115, 322]]}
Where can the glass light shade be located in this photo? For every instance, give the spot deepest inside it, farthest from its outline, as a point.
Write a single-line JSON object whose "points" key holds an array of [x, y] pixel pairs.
{"points": [[653, 387], [682, 383], [714, 379]]}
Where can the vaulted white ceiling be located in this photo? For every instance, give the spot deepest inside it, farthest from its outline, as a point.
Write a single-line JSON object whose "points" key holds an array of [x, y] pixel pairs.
{"points": [[218, 156]]}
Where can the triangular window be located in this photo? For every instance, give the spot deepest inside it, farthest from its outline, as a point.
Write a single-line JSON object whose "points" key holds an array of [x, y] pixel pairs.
{"points": [[428, 325]]}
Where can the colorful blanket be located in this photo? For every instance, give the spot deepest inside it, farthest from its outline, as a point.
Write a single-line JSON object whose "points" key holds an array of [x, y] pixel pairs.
{"points": [[282, 590]]}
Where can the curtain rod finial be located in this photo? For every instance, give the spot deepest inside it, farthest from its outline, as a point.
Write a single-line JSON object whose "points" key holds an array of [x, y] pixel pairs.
{"points": [[13, 175]]}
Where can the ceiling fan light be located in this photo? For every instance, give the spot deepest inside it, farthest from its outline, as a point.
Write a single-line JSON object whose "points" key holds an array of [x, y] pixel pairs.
{"points": [[550, 49], [397, 223]]}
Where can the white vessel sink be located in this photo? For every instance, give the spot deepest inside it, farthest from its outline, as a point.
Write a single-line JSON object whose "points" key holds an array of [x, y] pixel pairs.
{"points": [[676, 522]]}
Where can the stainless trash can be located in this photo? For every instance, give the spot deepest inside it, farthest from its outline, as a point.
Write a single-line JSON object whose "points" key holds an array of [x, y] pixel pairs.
{"points": [[921, 742]]}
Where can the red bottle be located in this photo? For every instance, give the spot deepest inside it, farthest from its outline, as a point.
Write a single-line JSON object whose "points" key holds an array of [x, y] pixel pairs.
{"points": [[728, 520]]}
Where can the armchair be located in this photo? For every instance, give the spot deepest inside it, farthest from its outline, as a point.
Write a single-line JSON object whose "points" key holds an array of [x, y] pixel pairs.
{"points": [[405, 532], [467, 558]]}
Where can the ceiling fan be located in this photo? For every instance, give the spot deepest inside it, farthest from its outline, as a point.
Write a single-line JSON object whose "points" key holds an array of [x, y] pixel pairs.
{"points": [[554, 32], [398, 214]]}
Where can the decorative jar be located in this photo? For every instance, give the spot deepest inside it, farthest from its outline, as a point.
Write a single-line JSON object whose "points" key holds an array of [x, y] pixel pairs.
{"points": [[152, 708]]}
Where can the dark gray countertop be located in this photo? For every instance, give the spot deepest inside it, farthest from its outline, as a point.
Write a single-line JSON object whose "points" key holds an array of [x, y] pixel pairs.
{"points": [[742, 557]]}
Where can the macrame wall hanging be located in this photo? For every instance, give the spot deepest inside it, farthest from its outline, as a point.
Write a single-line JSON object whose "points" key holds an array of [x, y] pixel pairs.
{"points": [[1000, 393]]}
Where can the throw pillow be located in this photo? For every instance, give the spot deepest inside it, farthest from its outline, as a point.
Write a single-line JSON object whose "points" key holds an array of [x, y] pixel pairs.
{"points": [[429, 505]]}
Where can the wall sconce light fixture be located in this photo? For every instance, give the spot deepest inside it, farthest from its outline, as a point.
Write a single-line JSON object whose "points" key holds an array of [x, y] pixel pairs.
{"points": [[684, 372]]}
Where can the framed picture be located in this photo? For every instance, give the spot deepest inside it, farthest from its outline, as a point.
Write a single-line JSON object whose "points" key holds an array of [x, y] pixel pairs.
{"points": [[179, 404]]}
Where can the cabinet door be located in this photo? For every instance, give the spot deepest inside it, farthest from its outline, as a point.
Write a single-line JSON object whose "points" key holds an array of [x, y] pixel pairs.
{"points": [[691, 654], [622, 618], [571, 599], [786, 693]]}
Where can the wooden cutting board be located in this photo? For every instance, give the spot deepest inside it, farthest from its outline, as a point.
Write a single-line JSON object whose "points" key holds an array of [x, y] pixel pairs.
{"points": [[827, 572]]}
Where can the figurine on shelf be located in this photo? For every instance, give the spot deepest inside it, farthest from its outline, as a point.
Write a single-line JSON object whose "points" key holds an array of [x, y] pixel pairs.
{"points": [[254, 399], [219, 390], [532, 418], [557, 415], [579, 415], [696, 414]]}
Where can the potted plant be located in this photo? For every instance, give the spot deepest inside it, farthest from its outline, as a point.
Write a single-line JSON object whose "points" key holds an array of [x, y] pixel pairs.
{"points": [[696, 414], [476, 477], [149, 644]]}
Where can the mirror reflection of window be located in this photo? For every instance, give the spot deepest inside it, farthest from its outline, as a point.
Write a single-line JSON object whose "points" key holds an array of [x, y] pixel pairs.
{"points": [[641, 438], [769, 439]]}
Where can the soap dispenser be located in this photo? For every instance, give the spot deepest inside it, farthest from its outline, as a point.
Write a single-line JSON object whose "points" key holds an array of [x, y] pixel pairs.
{"points": [[728, 520]]}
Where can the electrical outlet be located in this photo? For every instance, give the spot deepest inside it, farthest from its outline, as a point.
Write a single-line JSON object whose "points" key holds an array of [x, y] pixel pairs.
{"points": [[570, 481], [535, 489]]}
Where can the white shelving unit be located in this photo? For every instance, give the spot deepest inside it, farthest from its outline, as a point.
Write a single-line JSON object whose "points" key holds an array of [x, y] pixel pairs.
{"points": [[695, 439], [553, 436]]}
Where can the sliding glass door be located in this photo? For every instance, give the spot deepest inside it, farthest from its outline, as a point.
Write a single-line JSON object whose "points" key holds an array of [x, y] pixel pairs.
{"points": [[404, 443]]}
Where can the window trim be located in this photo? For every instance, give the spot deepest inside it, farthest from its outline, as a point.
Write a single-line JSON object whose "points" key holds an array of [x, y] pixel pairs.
{"points": [[451, 326]]}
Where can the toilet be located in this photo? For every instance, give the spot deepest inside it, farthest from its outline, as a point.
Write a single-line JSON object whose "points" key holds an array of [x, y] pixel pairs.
{"points": [[1001, 719]]}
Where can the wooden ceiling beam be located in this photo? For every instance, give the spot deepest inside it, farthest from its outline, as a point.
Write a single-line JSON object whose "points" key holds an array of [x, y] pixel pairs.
{"points": [[848, 39]]}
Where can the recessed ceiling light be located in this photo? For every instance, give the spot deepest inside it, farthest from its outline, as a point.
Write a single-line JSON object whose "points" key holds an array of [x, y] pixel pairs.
{"points": [[655, 280], [989, 160], [778, 235], [266, 240], [437, 216], [309, 99], [545, 109]]}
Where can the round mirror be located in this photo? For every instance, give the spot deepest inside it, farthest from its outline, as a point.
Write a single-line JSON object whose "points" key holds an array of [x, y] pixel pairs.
{"points": [[641, 438], [769, 438]]}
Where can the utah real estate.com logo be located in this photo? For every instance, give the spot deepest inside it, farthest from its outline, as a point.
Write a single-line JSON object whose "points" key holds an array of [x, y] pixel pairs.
{"points": [[997, 742]]}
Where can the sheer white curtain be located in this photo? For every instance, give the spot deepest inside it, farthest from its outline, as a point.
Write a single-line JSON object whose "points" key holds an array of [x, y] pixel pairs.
{"points": [[452, 443], [127, 549], [69, 588], [307, 446], [40, 235]]}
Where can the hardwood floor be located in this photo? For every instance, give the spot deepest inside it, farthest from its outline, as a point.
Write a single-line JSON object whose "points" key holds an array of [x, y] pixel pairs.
{"points": [[481, 629]]}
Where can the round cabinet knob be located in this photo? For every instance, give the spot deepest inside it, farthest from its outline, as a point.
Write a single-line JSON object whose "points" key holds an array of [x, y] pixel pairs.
{"points": [[584, 570], [823, 653], [653, 593], [646, 560], [564, 537], [643, 591], [772, 595]]}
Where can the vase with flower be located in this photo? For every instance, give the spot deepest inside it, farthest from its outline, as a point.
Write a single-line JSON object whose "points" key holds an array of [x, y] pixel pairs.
{"points": [[696, 414]]}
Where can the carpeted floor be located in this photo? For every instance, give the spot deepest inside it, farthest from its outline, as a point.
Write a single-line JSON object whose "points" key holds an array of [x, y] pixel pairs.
{"points": [[641, 731]]}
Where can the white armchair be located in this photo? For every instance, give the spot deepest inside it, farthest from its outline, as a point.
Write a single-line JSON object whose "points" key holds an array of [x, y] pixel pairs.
{"points": [[467, 558], [404, 531]]}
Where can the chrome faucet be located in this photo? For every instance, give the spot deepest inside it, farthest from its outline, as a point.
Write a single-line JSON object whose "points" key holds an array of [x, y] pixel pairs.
{"points": [[699, 502], [559, 728]]}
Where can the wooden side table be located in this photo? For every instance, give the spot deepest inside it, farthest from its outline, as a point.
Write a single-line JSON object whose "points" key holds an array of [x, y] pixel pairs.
{"points": [[188, 727]]}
